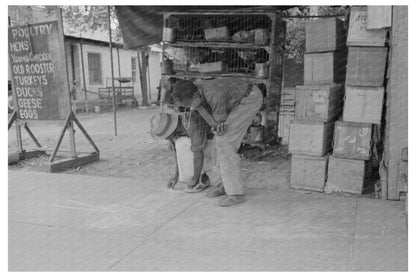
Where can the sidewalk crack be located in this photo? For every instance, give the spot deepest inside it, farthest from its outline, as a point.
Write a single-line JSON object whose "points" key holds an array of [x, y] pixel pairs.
{"points": [[352, 248], [153, 232]]}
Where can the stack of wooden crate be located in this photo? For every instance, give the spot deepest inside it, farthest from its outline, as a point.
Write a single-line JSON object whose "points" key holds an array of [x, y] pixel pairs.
{"points": [[318, 103], [364, 92]]}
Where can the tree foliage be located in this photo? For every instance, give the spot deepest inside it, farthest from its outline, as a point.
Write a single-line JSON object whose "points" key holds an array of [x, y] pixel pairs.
{"points": [[84, 19], [295, 27]]}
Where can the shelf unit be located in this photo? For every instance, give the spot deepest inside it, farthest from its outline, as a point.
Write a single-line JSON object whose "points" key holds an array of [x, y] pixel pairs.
{"points": [[189, 48]]}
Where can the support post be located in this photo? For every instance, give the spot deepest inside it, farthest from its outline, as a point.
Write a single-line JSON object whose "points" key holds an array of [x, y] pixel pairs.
{"points": [[112, 72], [142, 72], [83, 76], [70, 126]]}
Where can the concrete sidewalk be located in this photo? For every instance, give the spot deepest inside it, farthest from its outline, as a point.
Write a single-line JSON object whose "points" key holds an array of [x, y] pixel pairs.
{"points": [[62, 222]]}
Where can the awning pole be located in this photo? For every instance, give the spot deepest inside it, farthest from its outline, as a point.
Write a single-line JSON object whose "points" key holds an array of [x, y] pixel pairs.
{"points": [[112, 72]]}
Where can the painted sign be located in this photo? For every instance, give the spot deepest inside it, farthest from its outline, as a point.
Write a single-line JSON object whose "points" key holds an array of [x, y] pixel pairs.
{"points": [[38, 68]]}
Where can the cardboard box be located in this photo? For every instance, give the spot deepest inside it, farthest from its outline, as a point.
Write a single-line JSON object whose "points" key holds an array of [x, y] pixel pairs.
{"points": [[352, 140], [308, 172], [319, 102], [310, 138], [325, 35], [363, 104], [358, 34]]}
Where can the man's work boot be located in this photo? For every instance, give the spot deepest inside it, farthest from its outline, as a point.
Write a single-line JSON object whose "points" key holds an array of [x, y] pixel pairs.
{"points": [[231, 200], [218, 191]]}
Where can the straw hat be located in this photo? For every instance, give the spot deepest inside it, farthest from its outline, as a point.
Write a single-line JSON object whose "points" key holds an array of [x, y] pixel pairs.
{"points": [[164, 123]]}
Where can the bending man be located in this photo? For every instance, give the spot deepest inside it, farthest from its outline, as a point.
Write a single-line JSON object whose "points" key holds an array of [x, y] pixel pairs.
{"points": [[229, 106]]}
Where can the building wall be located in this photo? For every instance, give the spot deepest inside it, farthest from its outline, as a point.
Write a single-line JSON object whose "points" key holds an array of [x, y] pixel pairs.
{"points": [[122, 68], [397, 103]]}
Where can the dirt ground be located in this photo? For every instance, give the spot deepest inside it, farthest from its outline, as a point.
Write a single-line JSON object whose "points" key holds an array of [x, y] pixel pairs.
{"points": [[133, 153]]}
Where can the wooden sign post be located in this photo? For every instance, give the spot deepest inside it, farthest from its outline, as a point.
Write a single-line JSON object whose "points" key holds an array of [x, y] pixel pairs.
{"points": [[41, 89]]}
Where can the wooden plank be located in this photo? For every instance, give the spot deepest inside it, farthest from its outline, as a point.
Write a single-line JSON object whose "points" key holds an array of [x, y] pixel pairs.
{"points": [[31, 154], [85, 133], [61, 136], [12, 119], [64, 164], [32, 135], [397, 119], [219, 45]]}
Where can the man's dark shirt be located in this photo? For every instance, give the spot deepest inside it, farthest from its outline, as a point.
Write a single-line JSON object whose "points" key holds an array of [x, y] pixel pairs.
{"points": [[197, 130]]}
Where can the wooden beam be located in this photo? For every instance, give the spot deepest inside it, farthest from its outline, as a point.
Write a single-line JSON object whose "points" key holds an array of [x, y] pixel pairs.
{"points": [[61, 136], [32, 135], [85, 133], [12, 119], [65, 164]]}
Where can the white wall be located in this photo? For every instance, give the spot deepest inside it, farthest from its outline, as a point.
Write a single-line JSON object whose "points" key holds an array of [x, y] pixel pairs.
{"points": [[125, 69]]}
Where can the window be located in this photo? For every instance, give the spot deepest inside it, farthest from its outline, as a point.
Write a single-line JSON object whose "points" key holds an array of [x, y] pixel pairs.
{"points": [[94, 68], [133, 69]]}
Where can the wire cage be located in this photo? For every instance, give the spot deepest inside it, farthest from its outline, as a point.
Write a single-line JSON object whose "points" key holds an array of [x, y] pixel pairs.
{"points": [[238, 28], [207, 60]]}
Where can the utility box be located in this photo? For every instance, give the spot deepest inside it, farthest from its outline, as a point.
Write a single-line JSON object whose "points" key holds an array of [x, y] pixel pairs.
{"points": [[359, 34], [345, 175], [308, 172], [366, 66], [325, 35], [363, 104], [352, 140], [310, 138], [325, 68], [319, 102]]}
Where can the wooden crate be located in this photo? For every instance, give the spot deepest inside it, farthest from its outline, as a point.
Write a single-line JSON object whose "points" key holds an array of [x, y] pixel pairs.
{"points": [[366, 66], [217, 34], [358, 34], [325, 68], [352, 140], [363, 104], [325, 35], [308, 172], [379, 17], [319, 102], [346, 175], [310, 138]]}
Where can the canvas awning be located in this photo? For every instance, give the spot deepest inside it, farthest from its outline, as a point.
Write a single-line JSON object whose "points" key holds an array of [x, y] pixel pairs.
{"points": [[143, 25]]}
